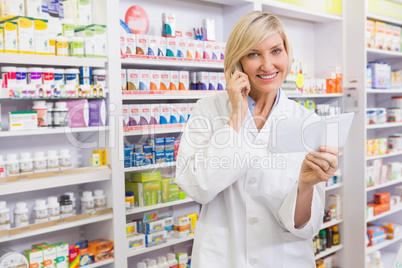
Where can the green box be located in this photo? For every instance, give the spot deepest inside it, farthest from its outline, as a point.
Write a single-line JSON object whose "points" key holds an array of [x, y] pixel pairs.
{"points": [[145, 176], [182, 195], [34, 257], [147, 193], [62, 255], [170, 190]]}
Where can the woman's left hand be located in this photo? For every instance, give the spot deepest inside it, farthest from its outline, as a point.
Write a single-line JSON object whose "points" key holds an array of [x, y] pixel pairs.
{"points": [[318, 167]]}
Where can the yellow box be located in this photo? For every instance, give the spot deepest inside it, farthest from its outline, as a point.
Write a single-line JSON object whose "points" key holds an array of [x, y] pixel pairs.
{"points": [[12, 8], [102, 156], [1, 40], [10, 36], [41, 32], [25, 34], [379, 30]]}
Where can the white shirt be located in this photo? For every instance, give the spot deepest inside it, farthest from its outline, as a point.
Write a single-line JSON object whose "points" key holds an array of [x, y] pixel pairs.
{"points": [[247, 217]]}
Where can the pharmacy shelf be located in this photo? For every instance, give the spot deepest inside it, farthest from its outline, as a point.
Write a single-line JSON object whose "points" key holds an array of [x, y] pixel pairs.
{"points": [[384, 244], [163, 205], [374, 54], [331, 223], [53, 179], [154, 129], [47, 131], [47, 60], [170, 242], [168, 94], [177, 63], [298, 12], [57, 225], [312, 96], [335, 186], [368, 158], [389, 91], [385, 125], [99, 264], [150, 167], [376, 187], [328, 251], [384, 214], [383, 18]]}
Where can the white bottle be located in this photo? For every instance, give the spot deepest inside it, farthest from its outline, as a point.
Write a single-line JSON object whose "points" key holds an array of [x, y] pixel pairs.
{"points": [[171, 260], [99, 200], [141, 265], [4, 216], [21, 214], [52, 160], [2, 167], [49, 114], [26, 164], [12, 165], [40, 211], [162, 262], [72, 198], [39, 162], [64, 159], [152, 263], [53, 208], [87, 202]]}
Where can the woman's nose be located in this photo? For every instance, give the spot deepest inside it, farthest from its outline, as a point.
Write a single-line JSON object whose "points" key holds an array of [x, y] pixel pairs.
{"points": [[266, 64]]}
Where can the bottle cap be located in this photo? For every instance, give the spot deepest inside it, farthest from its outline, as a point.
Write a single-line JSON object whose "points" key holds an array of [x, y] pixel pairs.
{"points": [[171, 256], [87, 194], [151, 262], [51, 153], [39, 154], [141, 265], [161, 259], [52, 200], [3, 204], [25, 156], [64, 152], [40, 202], [323, 232], [11, 157], [21, 205], [335, 228], [98, 193], [64, 198]]}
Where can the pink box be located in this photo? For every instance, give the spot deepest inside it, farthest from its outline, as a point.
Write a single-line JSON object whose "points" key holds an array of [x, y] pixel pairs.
{"points": [[78, 113]]}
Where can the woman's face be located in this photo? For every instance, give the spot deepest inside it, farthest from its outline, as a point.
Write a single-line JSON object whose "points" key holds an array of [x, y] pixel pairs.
{"points": [[266, 64]]}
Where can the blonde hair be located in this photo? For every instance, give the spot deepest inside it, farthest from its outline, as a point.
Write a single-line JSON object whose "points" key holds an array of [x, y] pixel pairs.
{"points": [[248, 33]]}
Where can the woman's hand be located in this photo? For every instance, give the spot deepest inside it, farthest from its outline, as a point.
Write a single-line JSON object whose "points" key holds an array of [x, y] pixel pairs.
{"points": [[318, 167], [238, 87]]}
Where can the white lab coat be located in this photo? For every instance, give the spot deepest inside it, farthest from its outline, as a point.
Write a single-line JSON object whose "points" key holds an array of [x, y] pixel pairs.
{"points": [[247, 217]]}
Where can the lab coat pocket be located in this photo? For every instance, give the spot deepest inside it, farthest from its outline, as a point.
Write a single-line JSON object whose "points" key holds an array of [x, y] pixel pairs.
{"points": [[279, 182], [211, 246], [298, 252]]}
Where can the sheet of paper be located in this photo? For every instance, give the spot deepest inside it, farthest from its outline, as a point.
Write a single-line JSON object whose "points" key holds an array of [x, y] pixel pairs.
{"points": [[308, 134]]}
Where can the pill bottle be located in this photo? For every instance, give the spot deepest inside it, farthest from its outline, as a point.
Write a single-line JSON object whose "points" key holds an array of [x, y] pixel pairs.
{"points": [[141, 265], [53, 208], [59, 77], [9, 76], [21, 214], [48, 76], [171, 260], [2, 167], [68, 28], [26, 164], [375, 258], [61, 46], [12, 165], [99, 78], [64, 159], [49, 114], [76, 46], [72, 198], [72, 76], [35, 76], [129, 200], [40, 108], [52, 44], [66, 206], [39, 162], [87, 202], [52, 160], [61, 114], [152, 263], [21, 76], [4, 216], [162, 263], [40, 211], [99, 200]]}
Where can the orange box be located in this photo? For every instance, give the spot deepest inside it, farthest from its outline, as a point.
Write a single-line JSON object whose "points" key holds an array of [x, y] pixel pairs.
{"points": [[381, 208], [381, 198], [102, 249]]}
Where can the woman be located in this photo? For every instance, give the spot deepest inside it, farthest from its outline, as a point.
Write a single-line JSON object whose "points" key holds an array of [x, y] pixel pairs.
{"points": [[253, 214]]}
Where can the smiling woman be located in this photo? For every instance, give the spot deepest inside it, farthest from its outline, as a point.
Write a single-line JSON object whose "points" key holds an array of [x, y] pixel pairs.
{"points": [[253, 213]]}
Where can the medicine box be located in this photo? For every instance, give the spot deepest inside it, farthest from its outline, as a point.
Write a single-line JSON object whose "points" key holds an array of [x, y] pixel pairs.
{"points": [[145, 80], [165, 80], [84, 15], [134, 114], [379, 29], [156, 238], [133, 79], [207, 48], [145, 114], [130, 45], [193, 221], [74, 256], [155, 79], [183, 80], [381, 198], [78, 113], [141, 44], [49, 255], [213, 81], [22, 120], [169, 24], [123, 79], [376, 235], [171, 47], [155, 114], [182, 259], [221, 81], [170, 190], [136, 242], [174, 114], [41, 33], [131, 228], [164, 113], [181, 227], [145, 176], [102, 249], [62, 259], [336, 201], [154, 226], [89, 41], [12, 8], [34, 257], [97, 112], [162, 47], [174, 80], [10, 36], [153, 43], [25, 34], [181, 48], [147, 193], [202, 81]]}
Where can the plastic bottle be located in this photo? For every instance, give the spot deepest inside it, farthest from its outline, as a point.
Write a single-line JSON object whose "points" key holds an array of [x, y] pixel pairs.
{"points": [[76, 46], [4, 216], [152, 263], [40, 211], [12, 165], [162, 262], [87, 202], [52, 160], [329, 237], [41, 109], [323, 240], [2, 167], [375, 258], [129, 200], [49, 114], [61, 114], [26, 164], [21, 214], [141, 265], [72, 198], [66, 206], [171, 260], [99, 200], [53, 208], [9, 76], [39, 162], [64, 159], [48, 76], [61, 46], [335, 236], [99, 77]]}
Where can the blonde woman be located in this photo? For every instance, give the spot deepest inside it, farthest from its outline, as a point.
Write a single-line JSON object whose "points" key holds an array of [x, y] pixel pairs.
{"points": [[259, 209]]}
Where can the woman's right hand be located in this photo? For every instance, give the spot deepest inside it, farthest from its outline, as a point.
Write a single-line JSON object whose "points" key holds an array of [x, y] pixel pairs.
{"points": [[237, 87]]}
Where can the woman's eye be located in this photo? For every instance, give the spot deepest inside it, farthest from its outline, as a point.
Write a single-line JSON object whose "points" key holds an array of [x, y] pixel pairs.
{"points": [[276, 51], [253, 54]]}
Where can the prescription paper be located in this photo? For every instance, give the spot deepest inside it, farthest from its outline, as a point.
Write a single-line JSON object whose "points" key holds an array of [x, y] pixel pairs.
{"points": [[304, 135]]}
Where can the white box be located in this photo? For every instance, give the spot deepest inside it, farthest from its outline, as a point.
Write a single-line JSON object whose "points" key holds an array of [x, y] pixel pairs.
{"points": [[133, 79], [164, 110], [216, 51], [207, 48], [41, 37], [10, 37], [213, 81], [130, 45], [123, 79], [336, 201], [183, 112], [202, 81], [155, 80], [134, 115], [33, 8], [153, 43], [191, 47], [181, 47], [190, 108], [183, 80], [165, 80], [22, 120], [26, 35], [84, 13], [174, 113], [145, 80], [209, 27], [162, 47], [221, 81], [155, 114], [174, 80], [136, 242], [156, 238], [141, 44], [145, 113], [171, 47], [11, 8]]}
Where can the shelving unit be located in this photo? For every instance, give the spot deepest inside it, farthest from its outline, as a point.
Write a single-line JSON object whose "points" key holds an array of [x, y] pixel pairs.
{"points": [[158, 206], [376, 187], [384, 244], [386, 125], [150, 167], [333, 187], [155, 129], [49, 131], [331, 223], [384, 214], [46, 60], [101, 263], [329, 251], [177, 64]]}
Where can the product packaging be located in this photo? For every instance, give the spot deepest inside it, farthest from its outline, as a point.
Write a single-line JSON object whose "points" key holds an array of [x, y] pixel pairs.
{"points": [[78, 113], [136, 242], [26, 34], [97, 112]]}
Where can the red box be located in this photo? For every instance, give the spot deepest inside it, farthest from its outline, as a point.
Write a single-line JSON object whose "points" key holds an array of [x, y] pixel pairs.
{"points": [[381, 198]]}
